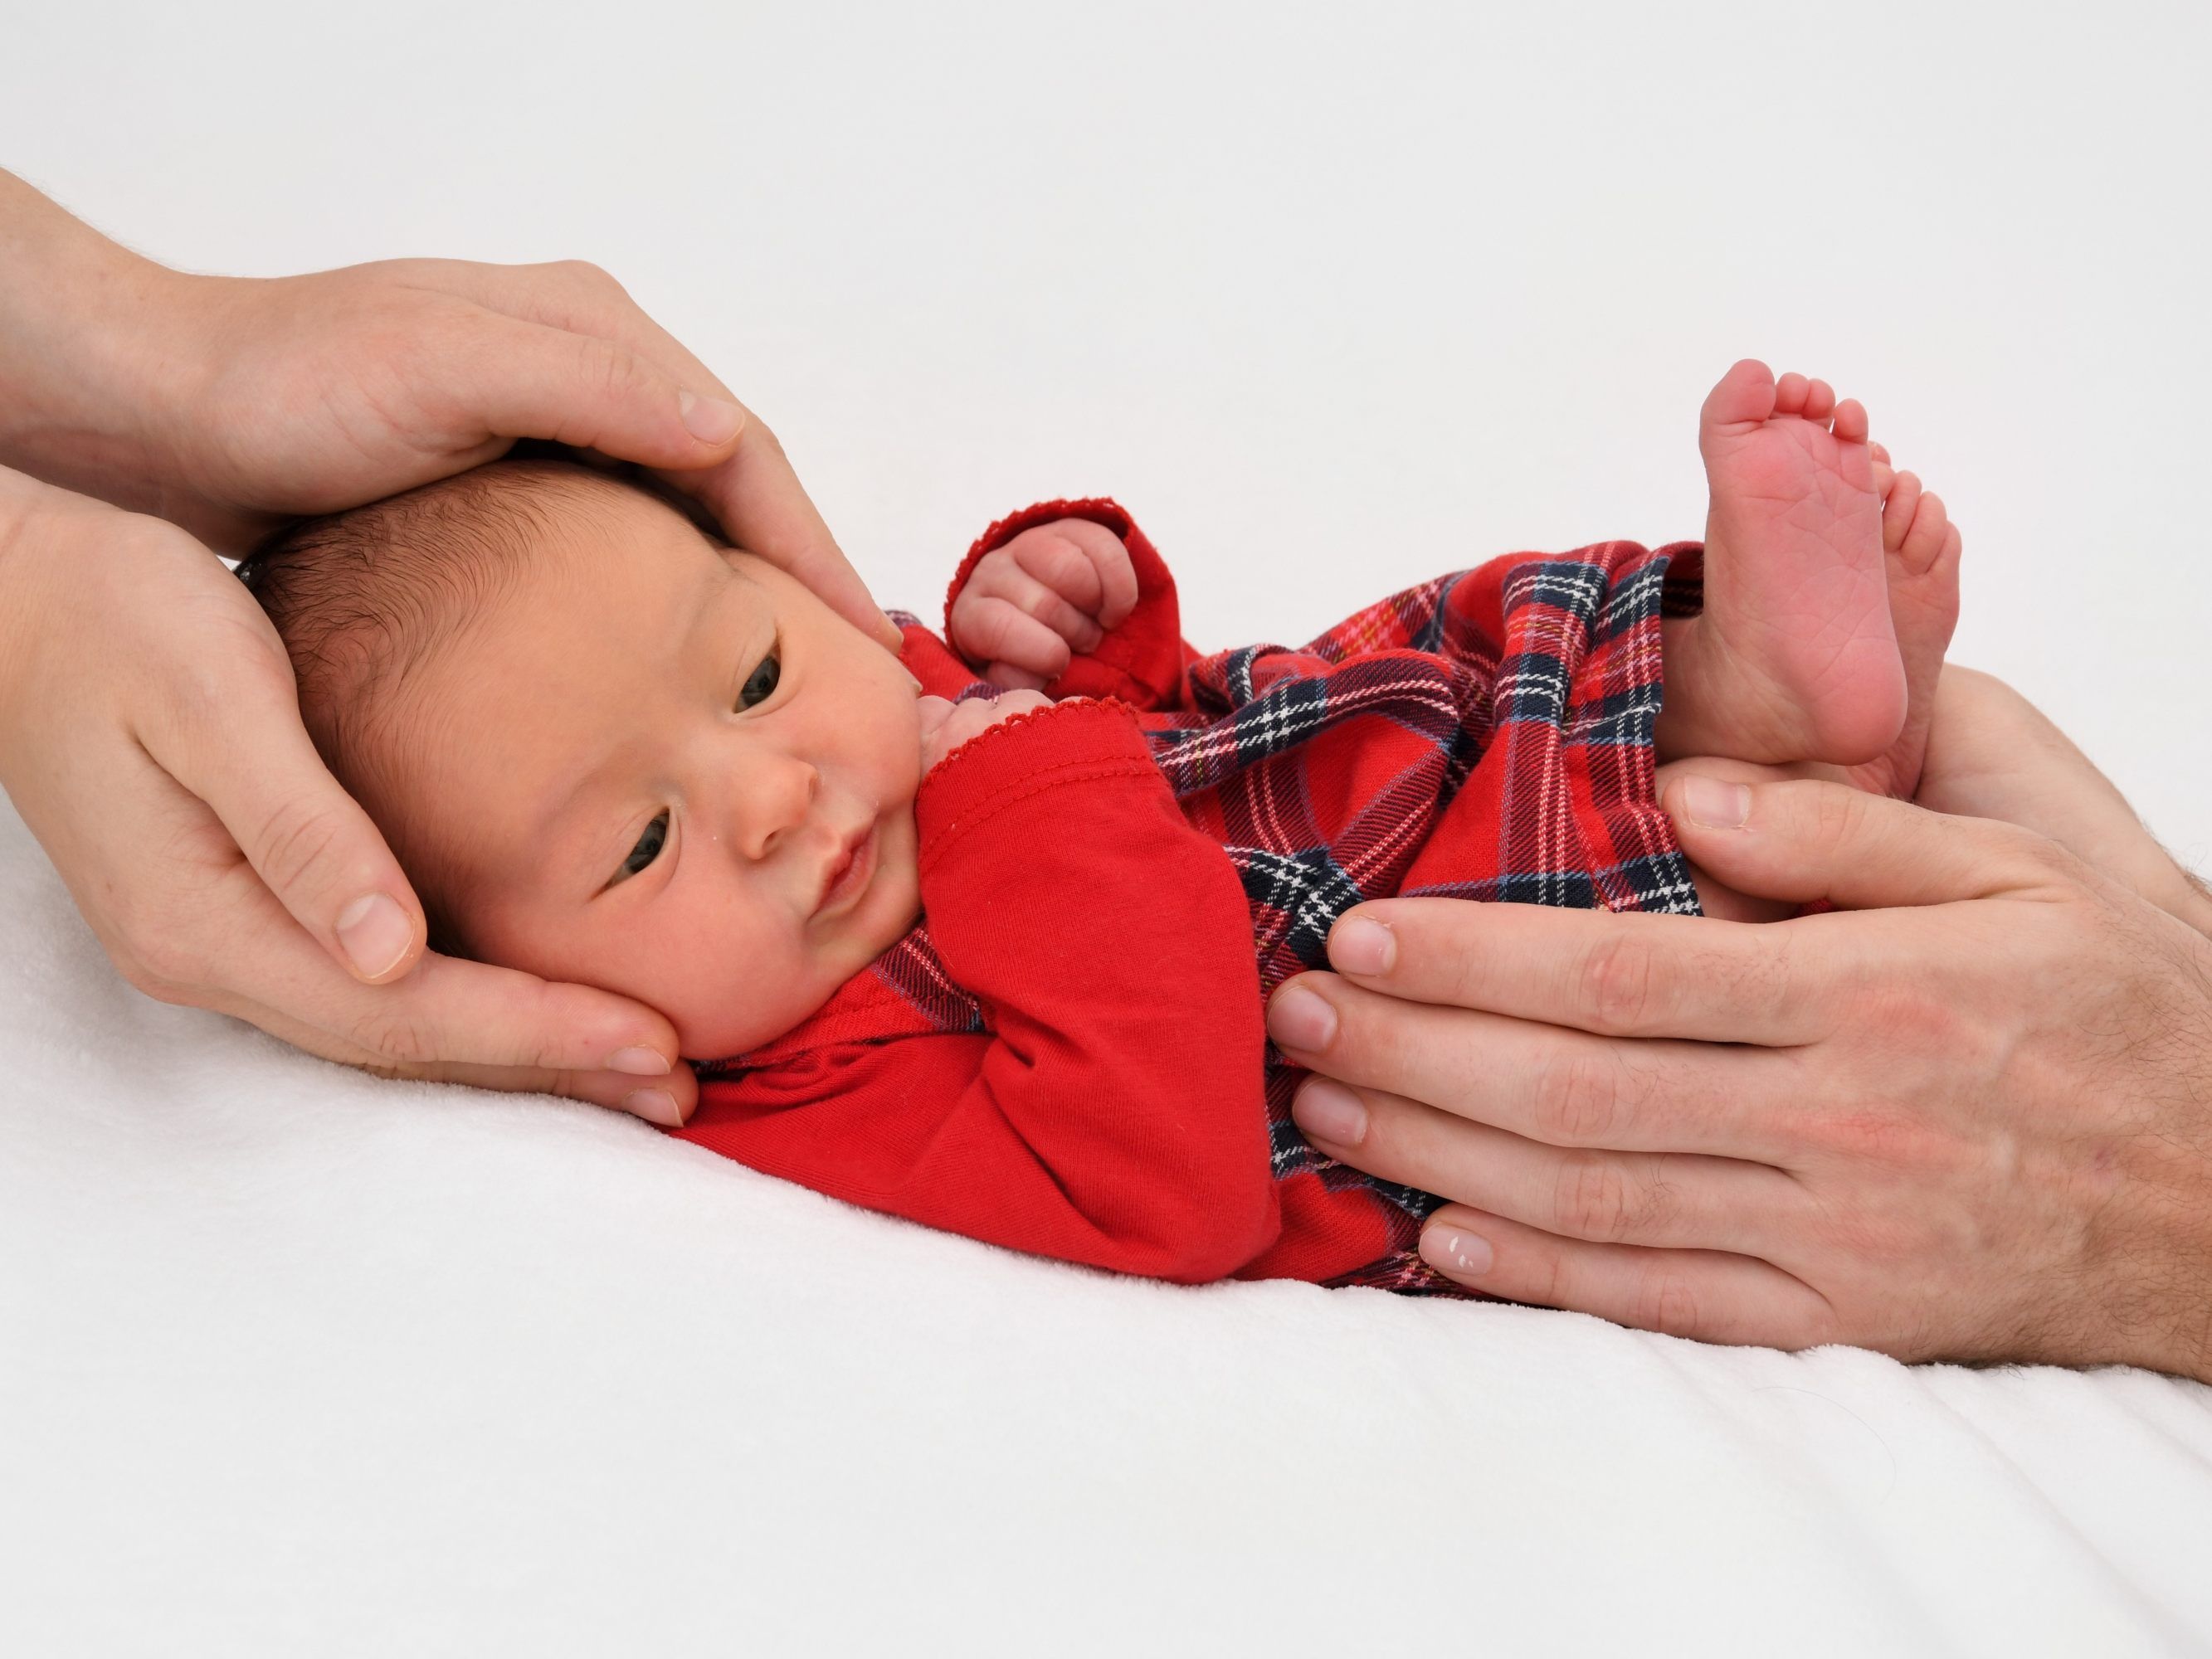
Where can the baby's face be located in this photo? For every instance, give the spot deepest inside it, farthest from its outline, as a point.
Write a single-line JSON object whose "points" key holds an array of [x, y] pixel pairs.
{"points": [[669, 770]]}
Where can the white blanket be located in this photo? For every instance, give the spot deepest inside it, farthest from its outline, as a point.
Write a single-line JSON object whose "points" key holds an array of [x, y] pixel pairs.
{"points": [[292, 1360], [295, 1362]]}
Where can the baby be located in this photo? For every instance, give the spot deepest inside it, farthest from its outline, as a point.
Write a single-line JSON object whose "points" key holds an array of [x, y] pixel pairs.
{"points": [[999, 963]]}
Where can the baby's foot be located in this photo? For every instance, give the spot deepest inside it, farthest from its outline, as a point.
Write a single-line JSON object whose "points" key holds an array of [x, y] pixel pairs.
{"points": [[1795, 658]]}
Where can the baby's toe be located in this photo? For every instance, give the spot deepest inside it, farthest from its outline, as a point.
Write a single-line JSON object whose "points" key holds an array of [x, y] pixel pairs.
{"points": [[1819, 400], [1743, 397], [1923, 542], [1789, 394], [1897, 512]]}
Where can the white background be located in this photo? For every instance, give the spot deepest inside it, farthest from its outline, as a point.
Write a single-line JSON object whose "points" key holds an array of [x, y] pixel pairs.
{"points": [[295, 1361], [1332, 297]]}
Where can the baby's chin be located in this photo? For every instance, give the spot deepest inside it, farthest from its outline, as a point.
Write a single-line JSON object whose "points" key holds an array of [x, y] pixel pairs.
{"points": [[720, 1019], [722, 1033]]}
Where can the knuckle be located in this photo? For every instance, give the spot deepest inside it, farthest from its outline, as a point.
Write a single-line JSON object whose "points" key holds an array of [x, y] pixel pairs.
{"points": [[759, 435], [1838, 813], [397, 1037], [1665, 1302], [1621, 984], [156, 957], [1590, 1198], [594, 278], [293, 841], [156, 976], [1578, 1100]]}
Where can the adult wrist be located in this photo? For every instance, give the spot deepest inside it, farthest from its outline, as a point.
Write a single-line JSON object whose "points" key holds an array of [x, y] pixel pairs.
{"points": [[91, 352]]}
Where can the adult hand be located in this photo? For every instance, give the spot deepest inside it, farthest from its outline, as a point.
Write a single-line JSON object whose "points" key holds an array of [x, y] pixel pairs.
{"points": [[151, 738], [1967, 1116], [229, 404], [149, 729]]}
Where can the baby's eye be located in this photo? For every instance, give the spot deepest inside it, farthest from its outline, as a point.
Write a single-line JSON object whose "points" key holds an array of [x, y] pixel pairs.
{"points": [[647, 850], [760, 684]]}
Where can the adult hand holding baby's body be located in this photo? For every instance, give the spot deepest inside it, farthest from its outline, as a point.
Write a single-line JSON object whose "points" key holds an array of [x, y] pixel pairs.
{"points": [[1967, 1116], [150, 732]]}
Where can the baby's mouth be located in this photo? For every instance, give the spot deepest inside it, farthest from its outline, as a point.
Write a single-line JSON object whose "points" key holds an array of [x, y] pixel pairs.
{"points": [[846, 875]]}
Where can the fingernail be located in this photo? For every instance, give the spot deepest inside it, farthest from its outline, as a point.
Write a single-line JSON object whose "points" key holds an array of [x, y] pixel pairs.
{"points": [[1357, 946], [639, 1062], [1716, 805], [1456, 1251], [1329, 1111], [655, 1106], [710, 420], [375, 932], [1299, 1020]]}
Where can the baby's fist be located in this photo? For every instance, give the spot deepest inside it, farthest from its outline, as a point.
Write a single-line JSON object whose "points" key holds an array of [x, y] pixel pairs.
{"points": [[946, 726], [1054, 590]]}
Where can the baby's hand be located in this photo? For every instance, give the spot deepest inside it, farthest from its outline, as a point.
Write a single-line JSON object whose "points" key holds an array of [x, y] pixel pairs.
{"points": [[946, 726], [1055, 589]]}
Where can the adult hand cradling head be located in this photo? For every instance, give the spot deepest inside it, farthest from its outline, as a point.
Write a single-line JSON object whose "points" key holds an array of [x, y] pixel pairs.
{"points": [[149, 733]]}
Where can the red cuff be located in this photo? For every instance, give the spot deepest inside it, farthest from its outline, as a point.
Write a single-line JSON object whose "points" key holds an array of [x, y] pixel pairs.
{"points": [[1065, 743], [1141, 661]]}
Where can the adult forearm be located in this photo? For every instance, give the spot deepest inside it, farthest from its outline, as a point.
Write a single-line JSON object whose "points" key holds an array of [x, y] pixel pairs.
{"points": [[85, 352]]}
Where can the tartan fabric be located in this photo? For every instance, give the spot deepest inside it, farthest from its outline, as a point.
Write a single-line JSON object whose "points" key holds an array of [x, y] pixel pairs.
{"points": [[1485, 735]]}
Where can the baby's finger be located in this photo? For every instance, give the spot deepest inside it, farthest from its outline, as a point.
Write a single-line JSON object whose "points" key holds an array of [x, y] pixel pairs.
{"points": [[1014, 679], [1004, 578], [994, 629], [1052, 555], [1117, 576]]}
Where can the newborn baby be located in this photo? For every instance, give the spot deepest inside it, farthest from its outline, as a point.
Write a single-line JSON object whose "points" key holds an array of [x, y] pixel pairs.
{"points": [[998, 963]]}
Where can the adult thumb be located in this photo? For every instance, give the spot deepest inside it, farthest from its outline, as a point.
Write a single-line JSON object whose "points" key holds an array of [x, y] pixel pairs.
{"points": [[310, 843], [528, 380], [1806, 841]]}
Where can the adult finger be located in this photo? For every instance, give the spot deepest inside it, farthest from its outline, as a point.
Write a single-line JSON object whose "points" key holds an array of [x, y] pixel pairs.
{"points": [[576, 296], [1616, 974], [240, 748], [1563, 1088], [524, 380], [741, 475], [1709, 1295], [1807, 842], [1683, 1200], [756, 498], [447, 1011], [665, 1101]]}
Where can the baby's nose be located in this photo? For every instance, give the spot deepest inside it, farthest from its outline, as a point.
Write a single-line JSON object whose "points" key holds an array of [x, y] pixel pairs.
{"points": [[771, 801]]}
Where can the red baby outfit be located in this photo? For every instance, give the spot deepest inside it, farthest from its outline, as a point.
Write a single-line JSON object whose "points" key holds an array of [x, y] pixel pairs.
{"points": [[1068, 1055]]}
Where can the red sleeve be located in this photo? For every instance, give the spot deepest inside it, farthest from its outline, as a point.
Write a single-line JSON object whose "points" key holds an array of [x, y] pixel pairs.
{"points": [[1112, 1114], [1141, 661]]}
